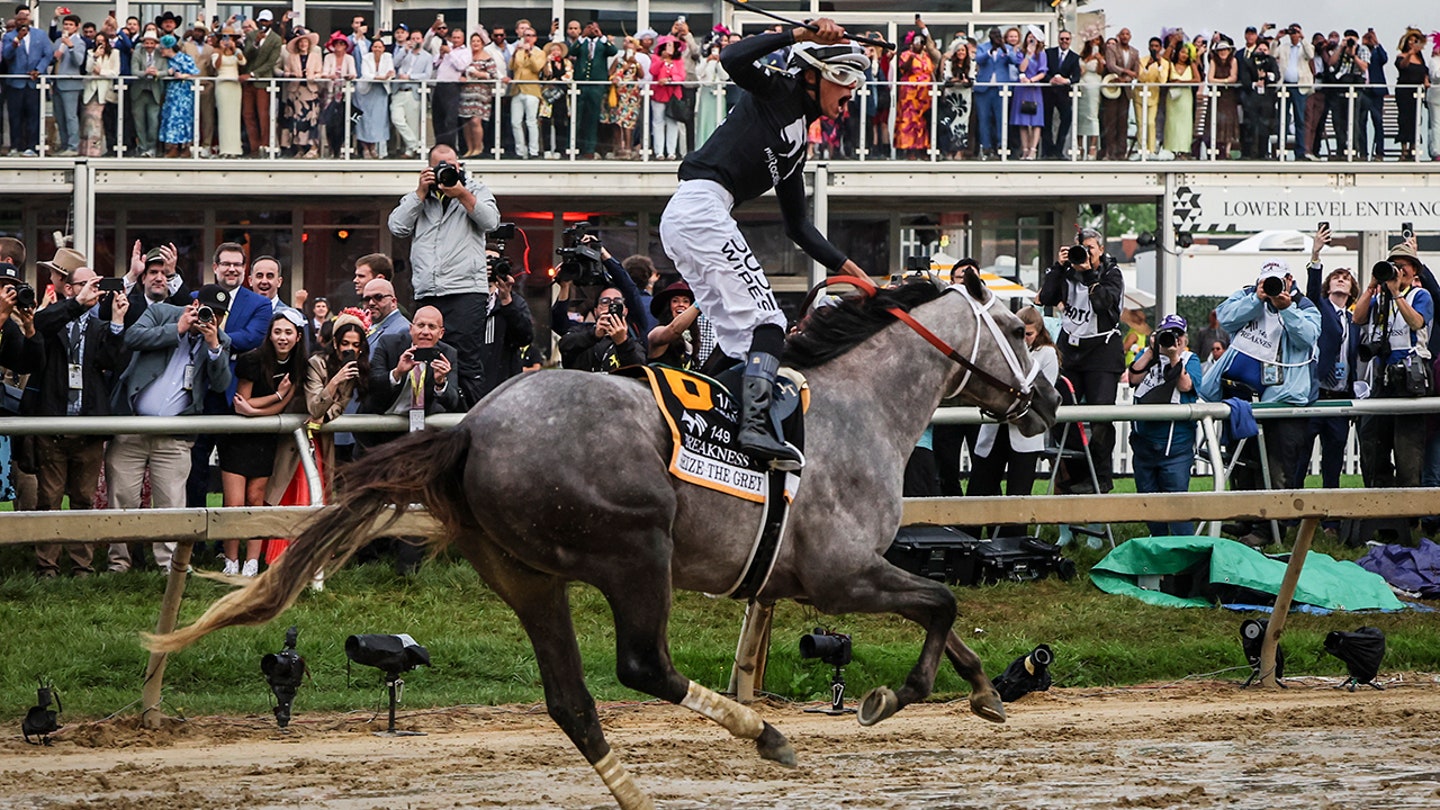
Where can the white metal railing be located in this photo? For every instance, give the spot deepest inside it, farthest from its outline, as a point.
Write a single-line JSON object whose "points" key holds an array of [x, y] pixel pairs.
{"points": [[1206, 98]]}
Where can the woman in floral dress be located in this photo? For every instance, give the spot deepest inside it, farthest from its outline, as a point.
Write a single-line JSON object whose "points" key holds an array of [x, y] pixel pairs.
{"points": [[177, 116], [626, 75]]}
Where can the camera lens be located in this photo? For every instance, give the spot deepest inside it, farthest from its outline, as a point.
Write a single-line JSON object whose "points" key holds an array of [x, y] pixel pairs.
{"points": [[205, 315], [1272, 286], [1383, 272], [1077, 254], [1167, 339], [24, 296]]}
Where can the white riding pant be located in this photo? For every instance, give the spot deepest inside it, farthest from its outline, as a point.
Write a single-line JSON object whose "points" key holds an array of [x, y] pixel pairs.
{"points": [[711, 254]]}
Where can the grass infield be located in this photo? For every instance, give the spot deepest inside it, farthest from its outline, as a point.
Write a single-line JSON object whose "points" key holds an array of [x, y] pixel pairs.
{"points": [[82, 634]]}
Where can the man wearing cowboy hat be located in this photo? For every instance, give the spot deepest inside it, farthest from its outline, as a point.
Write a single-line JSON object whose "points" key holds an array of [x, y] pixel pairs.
{"points": [[81, 350], [414, 63], [263, 49]]}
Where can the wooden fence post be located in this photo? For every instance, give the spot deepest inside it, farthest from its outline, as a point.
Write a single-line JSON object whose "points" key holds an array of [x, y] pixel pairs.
{"points": [[1276, 625], [150, 713]]}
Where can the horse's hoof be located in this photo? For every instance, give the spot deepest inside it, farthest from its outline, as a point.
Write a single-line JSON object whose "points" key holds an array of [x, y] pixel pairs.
{"points": [[988, 705], [878, 704], [774, 747]]}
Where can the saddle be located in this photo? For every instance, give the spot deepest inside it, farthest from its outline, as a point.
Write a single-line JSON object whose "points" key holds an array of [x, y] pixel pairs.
{"points": [[703, 414]]}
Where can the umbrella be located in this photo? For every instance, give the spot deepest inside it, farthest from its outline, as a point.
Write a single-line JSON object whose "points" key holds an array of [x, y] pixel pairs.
{"points": [[1362, 652]]}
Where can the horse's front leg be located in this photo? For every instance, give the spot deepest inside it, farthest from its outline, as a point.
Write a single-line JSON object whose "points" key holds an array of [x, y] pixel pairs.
{"points": [[884, 588], [984, 700]]}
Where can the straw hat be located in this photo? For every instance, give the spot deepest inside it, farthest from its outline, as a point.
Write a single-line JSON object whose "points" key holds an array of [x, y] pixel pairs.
{"points": [[293, 46], [564, 49], [1110, 86]]}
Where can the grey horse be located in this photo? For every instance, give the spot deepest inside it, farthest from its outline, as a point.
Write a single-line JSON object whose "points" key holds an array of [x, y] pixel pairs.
{"points": [[611, 516]]}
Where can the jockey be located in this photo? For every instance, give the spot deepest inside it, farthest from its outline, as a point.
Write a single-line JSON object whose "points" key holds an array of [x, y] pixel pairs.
{"points": [[760, 146]]}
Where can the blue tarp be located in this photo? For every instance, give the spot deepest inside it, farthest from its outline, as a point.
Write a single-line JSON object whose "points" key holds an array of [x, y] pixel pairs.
{"points": [[1414, 570]]}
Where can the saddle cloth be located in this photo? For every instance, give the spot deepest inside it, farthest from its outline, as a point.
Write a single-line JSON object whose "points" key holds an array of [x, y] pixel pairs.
{"points": [[704, 421]]}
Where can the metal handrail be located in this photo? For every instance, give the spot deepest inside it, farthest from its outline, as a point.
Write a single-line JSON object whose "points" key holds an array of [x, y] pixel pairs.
{"points": [[1206, 96]]}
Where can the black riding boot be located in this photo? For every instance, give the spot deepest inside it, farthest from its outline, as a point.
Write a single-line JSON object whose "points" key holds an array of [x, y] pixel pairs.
{"points": [[757, 431]]}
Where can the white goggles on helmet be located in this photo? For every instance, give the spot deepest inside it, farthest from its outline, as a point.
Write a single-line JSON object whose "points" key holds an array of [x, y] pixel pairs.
{"points": [[840, 73]]}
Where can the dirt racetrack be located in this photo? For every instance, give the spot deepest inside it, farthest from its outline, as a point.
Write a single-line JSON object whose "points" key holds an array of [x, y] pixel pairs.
{"points": [[1198, 744]]}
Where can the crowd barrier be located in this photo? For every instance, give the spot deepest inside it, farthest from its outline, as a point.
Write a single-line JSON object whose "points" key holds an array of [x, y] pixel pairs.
{"points": [[1350, 99]]}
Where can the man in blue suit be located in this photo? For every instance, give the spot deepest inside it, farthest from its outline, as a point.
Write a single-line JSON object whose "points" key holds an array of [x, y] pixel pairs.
{"points": [[24, 53], [994, 61], [246, 323]]}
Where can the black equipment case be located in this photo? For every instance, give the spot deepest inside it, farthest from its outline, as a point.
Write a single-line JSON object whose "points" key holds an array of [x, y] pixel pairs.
{"points": [[950, 555]]}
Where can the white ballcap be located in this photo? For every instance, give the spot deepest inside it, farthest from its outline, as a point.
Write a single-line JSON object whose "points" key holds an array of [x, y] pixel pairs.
{"points": [[265, 15], [1275, 268]]}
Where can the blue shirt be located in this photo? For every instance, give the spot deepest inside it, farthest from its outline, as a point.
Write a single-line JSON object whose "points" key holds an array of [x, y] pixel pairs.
{"points": [[34, 55]]}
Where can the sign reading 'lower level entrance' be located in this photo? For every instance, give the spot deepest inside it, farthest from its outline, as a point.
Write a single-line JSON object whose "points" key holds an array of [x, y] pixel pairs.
{"points": [[1251, 208]]}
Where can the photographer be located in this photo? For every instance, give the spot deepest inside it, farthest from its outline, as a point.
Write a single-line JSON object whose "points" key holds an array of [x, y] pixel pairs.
{"points": [[1399, 314], [178, 355], [1166, 373], [1259, 76], [413, 373], [1335, 365], [1088, 282], [446, 219], [1348, 62], [607, 341], [82, 351], [508, 327], [1275, 330]]}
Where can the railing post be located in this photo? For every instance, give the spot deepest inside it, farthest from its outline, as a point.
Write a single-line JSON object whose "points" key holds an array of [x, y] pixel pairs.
{"points": [[934, 121], [119, 117], [1076, 152], [861, 148], [1004, 122], [197, 87], [1213, 125], [273, 98], [1350, 123], [573, 94], [647, 139], [40, 142], [498, 119], [348, 92], [424, 116]]}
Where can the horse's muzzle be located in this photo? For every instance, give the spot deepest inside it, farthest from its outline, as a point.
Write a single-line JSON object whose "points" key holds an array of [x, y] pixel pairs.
{"points": [[1038, 418]]}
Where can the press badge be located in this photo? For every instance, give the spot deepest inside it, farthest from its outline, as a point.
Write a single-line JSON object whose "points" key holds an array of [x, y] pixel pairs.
{"points": [[1074, 339], [188, 381], [77, 381], [1272, 374], [417, 419]]}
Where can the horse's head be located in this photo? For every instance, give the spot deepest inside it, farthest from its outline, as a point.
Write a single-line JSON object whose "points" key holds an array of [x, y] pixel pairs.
{"points": [[996, 372]]}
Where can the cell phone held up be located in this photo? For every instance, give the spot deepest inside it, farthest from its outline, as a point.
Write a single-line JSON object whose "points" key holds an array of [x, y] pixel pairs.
{"points": [[616, 308], [425, 354], [110, 285]]}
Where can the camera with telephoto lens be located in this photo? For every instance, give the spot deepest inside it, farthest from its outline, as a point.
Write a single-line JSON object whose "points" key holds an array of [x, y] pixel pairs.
{"points": [[1168, 338], [1077, 254], [499, 264], [205, 315], [1384, 272], [448, 174], [24, 296], [830, 647], [1272, 286], [580, 262]]}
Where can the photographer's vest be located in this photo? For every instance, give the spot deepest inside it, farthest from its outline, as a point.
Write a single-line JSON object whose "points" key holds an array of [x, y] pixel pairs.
{"points": [[1257, 345], [1160, 386], [1401, 338], [1079, 319]]}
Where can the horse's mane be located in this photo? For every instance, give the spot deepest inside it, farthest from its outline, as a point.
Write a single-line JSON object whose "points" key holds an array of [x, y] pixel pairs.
{"points": [[828, 332]]}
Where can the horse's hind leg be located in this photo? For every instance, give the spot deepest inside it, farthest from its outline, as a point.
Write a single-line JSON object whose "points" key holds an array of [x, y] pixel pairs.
{"points": [[642, 660], [984, 700], [541, 603]]}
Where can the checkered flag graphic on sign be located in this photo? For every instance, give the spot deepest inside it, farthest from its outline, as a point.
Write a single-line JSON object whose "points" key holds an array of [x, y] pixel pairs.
{"points": [[1186, 208]]}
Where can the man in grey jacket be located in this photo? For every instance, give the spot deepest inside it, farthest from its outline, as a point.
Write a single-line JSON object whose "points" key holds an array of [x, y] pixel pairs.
{"points": [[446, 225], [69, 61], [178, 354]]}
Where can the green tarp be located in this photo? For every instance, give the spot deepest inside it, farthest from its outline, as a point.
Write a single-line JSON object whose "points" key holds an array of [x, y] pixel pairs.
{"points": [[1324, 582]]}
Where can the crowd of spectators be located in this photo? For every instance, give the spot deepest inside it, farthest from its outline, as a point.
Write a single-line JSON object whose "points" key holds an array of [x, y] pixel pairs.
{"points": [[514, 90]]}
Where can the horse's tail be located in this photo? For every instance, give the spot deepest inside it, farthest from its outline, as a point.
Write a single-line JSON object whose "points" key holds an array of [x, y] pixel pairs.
{"points": [[424, 468]]}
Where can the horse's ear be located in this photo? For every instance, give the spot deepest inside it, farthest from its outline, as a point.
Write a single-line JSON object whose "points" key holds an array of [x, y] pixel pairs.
{"points": [[970, 277]]}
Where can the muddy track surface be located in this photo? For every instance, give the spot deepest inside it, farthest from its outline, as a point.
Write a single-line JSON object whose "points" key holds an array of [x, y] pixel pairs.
{"points": [[1197, 744]]}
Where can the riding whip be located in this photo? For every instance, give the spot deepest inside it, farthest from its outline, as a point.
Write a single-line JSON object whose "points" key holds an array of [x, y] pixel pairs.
{"points": [[879, 43]]}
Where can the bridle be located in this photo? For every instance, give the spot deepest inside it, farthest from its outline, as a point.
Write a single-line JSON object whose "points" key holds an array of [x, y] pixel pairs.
{"points": [[1023, 395]]}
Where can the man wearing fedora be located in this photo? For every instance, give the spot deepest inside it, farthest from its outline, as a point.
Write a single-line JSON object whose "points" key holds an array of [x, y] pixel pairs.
{"points": [[81, 350], [263, 49], [178, 355]]}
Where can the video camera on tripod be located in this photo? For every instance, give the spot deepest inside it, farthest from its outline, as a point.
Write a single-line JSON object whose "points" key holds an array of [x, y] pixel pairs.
{"points": [[580, 261]]}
